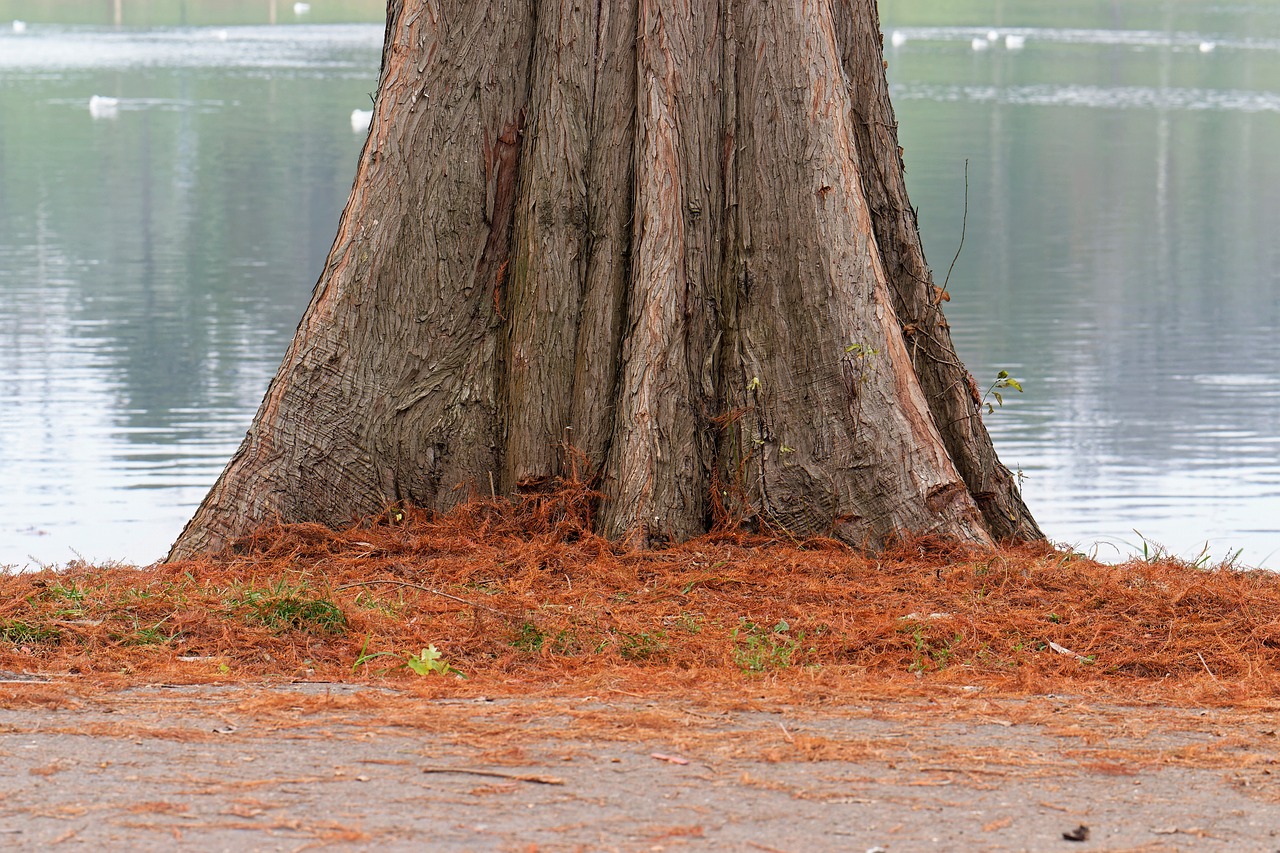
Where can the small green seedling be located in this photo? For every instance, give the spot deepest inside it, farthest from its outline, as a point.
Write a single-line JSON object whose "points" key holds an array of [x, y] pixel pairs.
{"points": [[430, 662], [365, 656], [1003, 381]]}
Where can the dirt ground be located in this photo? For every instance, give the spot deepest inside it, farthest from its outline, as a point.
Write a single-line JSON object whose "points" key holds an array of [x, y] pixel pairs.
{"points": [[499, 678], [357, 767]]}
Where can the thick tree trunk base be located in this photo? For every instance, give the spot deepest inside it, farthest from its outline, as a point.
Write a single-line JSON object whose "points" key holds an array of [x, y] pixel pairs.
{"points": [[673, 235]]}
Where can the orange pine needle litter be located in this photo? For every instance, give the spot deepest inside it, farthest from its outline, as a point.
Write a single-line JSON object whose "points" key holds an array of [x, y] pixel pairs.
{"points": [[521, 597]]}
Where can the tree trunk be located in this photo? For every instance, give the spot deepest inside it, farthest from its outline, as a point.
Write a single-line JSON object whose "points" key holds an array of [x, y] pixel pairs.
{"points": [[672, 234]]}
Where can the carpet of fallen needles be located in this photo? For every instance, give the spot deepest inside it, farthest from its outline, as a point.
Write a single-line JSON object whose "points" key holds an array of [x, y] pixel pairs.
{"points": [[509, 598]]}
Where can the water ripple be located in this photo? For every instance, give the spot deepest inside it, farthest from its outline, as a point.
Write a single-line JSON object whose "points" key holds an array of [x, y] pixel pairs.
{"points": [[1105, 97], [317, 48], [1144, 39]]}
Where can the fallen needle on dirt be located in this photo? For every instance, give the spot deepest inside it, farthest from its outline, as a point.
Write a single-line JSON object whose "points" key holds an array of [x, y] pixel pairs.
{"points": [[498, 774]]}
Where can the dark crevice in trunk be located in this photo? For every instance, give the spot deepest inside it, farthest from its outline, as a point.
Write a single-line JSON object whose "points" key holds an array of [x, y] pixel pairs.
{"points": [[594, 467]]}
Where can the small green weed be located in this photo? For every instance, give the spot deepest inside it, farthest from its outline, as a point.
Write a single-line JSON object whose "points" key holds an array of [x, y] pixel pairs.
{"points": [[930, 655], [532, 639], [529, 638], [134, 595], [1153, 552], [393, 609], [690, 622], [429, 661], [21, 633], [313, 615], [365, 655], [643, 646], [71, 596], [757, 648], [152, 635], [565, 642], [286, 607]]}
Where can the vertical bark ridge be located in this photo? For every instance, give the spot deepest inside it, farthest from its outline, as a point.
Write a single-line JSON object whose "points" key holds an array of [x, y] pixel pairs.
{"points": [[841, 436], [945, 380], [729, 499], [610, 175], [700, 119], [656, 491], [544, 295]]}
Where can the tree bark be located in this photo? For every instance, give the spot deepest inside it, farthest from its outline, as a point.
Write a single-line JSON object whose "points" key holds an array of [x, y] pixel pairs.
{"points": [[672, 234]]}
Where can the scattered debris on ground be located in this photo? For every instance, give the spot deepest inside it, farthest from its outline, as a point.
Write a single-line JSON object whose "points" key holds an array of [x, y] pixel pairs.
{"points": [[354, 766]]}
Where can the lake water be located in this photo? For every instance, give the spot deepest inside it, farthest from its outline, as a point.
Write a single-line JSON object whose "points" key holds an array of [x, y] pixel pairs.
{"points": [[1120, 254], [155, 259]]}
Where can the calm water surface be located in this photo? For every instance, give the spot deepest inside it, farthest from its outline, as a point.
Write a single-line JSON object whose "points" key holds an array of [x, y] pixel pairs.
{"points": [[1120, 256], [1122, 253], [155, 258]]}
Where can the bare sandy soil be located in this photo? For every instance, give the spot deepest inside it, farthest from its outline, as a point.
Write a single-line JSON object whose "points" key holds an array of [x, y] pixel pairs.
{"points": [[348, 767]]}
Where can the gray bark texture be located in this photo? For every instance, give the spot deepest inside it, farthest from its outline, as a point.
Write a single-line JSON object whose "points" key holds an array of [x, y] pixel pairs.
{"points": [[673, 235]]}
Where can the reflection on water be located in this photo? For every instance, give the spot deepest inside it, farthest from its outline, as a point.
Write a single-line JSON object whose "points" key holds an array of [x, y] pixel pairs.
{"points": [[1120, 97], [155, 255], [1023, 36], [1119, 258], [313, 50]]}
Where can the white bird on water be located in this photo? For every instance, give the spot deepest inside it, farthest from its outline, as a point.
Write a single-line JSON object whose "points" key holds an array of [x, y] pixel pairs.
{"points": [[301, 8], [360, 120], [101, 106], [1013, 42], [979, 43], [1207, 47], [19, 27], [898, 39]]}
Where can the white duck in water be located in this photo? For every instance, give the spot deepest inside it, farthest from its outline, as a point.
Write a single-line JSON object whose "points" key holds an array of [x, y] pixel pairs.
{"points": [[101, 106], [19, 27], [360, 120]]}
